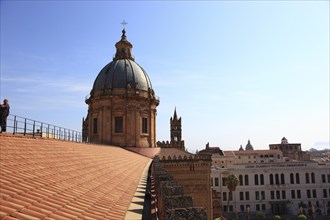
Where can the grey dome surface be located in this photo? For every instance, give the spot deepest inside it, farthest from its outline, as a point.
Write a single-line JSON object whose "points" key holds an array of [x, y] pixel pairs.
{"points": [[122, 73]]}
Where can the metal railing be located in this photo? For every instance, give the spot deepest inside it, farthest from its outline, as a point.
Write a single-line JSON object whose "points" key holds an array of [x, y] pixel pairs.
{"points": [[23, 126]]}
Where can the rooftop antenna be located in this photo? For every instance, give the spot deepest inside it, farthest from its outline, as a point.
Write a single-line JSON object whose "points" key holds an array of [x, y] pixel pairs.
{"points": [[123, 23]]}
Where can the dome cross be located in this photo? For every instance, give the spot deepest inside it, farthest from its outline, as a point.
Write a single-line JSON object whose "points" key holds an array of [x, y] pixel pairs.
{"points": [[124, 23]]}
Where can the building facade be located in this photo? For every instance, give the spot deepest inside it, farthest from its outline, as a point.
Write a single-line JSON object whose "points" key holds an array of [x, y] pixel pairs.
{"points": [[276, 188], [271, 183]]}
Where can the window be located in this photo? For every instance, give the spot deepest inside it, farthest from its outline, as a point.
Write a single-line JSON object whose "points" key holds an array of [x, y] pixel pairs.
{"points": [[144, 125], [291, 178], [323, 178], [325, 194], [256, 179], [278, 195], [261, 179], [258, 207], [263, 207], [240, 177], [328, 178], [262, 195], [308, 193], [271, 179], [277, 179], [257, 195], [95, 126], [246, 180], [242, 208], [298, 194], [216, 181], [314, 193], [119, 124], [293, 194], [224, 181], [297, 178], [282, 179], [307, 177], [313, 177], [241, 196], [283, 194], [224, 196], [272, 195]]}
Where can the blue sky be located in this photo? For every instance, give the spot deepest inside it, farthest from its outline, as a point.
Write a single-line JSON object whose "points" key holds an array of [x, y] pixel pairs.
{"points": [[235, 70]]}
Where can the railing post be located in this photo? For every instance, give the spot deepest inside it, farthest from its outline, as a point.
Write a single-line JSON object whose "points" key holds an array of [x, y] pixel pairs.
{"points": [[14, 124], [54, 132], [34, 126], [24, 126], [41, 129], [48, 131]]}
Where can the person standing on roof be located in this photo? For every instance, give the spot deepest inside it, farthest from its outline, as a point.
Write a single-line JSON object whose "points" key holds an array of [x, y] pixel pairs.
{"points": [[4, 112]]}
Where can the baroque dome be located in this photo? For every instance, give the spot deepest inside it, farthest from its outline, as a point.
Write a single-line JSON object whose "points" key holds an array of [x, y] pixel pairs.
{"points": [[123, 72]]}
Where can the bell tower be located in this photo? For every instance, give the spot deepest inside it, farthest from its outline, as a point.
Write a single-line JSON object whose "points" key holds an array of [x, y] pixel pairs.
{"points": [[176, 131]]}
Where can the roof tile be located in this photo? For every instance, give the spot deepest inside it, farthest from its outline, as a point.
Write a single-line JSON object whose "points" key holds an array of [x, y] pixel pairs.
{"points": [[51, 179]]}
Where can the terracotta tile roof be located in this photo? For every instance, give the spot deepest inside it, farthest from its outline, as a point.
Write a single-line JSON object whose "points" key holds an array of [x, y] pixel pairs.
{"points": [[148, 152], [50, 179], [252, 152]]}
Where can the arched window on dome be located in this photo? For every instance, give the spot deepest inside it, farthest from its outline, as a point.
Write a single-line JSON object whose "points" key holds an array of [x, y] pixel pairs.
{"points": [[119, 124], [145, 125], [94, 125]]}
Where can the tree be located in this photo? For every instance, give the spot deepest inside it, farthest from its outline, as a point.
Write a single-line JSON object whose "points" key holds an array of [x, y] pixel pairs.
{"points": [[232, 182], [302, 217]]}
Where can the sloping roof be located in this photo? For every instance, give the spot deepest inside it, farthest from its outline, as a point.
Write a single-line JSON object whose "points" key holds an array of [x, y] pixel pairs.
{"points": [[51, 179], [250, 152], [148, 152]]}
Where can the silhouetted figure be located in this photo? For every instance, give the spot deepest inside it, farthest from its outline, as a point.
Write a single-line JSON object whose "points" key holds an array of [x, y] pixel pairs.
{"points": [[4, 112]]}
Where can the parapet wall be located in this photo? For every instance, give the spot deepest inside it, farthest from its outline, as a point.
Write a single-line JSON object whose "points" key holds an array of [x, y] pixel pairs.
{"points": [[172, 144], [171, 202], [191, 158]]}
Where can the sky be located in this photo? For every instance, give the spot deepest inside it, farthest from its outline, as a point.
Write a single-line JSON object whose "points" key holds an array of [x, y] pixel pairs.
{"points": [[234, 70]]}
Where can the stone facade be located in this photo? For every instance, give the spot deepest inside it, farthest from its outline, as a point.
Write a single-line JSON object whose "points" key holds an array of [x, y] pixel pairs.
{"points": [[270, 182], [193, 173], [291, 151], [172, 202]]}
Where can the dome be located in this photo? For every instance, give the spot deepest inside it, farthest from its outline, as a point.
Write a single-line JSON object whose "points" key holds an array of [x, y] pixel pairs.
{"points": [[122, 73], [249, 146]]}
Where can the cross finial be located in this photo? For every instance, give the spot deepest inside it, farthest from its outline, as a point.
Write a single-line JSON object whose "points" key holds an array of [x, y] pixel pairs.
{"points": [[123, 23]]}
